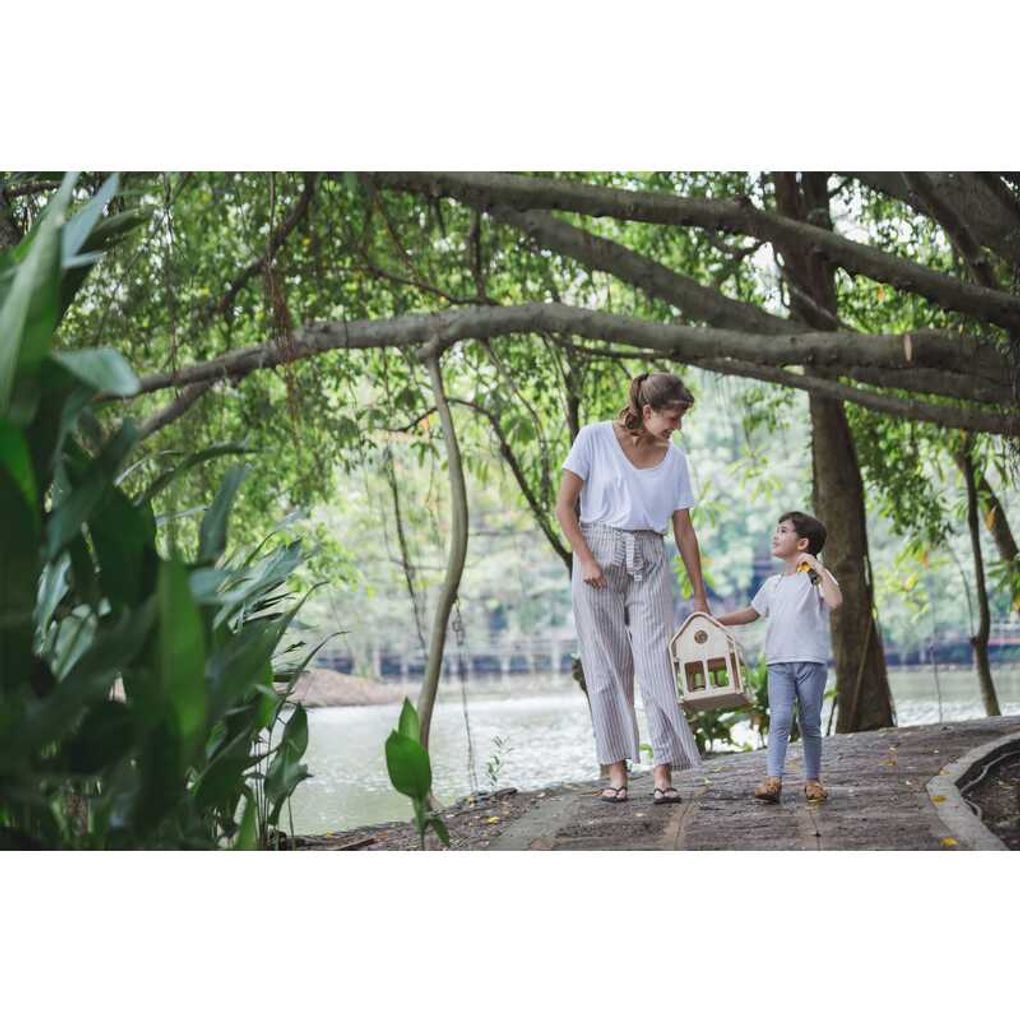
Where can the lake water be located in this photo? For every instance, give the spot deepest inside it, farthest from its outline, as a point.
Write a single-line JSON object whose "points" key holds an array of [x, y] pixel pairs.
{"points": [[545, 720]]}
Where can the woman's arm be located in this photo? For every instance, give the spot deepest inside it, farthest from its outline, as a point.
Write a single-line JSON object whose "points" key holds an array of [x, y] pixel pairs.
{"points": [[738, 616], [687, 543], [566, 500]]}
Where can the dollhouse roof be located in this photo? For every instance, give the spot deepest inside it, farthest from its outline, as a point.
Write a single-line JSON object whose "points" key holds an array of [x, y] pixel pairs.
{"points": [[702, 621]]}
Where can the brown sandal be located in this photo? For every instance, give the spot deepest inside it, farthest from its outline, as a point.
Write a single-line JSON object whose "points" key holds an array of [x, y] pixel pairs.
{"points": [[665, 795], [770, 790], [814, 791]]}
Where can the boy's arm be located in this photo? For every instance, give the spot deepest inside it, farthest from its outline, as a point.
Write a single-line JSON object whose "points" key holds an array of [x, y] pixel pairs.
{"points": [[747, 615], [826, 582]]}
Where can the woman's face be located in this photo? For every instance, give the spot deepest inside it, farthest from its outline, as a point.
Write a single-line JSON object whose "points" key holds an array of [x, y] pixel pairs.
{"points": [[662, 424]]}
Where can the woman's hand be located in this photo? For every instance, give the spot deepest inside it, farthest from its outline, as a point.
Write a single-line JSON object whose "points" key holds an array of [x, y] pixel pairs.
{"points": [[701, 605], [591, 573]]}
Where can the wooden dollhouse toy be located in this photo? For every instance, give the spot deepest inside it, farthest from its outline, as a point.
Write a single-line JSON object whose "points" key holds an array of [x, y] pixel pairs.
{"points": [[706, 664]]}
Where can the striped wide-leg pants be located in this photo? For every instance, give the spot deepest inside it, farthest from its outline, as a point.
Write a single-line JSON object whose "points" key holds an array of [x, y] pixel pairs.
{"points": [[624, 629]]}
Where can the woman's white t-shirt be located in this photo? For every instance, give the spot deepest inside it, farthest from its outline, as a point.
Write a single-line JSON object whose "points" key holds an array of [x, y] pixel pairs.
{"points": [[617, 493]]}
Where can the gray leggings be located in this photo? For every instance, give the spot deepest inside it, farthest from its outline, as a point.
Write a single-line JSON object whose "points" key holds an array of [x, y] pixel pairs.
{"points": [[805, 683]]}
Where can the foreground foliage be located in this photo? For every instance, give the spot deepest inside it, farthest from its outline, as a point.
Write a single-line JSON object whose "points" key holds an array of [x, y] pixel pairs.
{"points": [[136, 688]]}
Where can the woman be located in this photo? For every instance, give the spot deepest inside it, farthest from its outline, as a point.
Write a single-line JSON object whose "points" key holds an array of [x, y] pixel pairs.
{"points": [[632, 481]]}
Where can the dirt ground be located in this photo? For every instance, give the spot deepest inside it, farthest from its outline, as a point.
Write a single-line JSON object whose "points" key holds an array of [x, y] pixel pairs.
{"points": [[998, 798], [473, 823]]}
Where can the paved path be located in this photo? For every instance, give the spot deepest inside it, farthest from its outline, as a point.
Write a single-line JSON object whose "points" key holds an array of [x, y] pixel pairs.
{"points": [[877, 801]]}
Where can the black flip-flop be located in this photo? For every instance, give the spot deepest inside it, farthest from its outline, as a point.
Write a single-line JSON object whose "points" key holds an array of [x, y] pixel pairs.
{"points": [[659, 795], [616, 798]]}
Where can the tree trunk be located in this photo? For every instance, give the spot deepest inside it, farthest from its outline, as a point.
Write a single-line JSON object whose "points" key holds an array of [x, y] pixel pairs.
{"points": [[458, 551], [980, 639], [863, 698], [994, 516]]}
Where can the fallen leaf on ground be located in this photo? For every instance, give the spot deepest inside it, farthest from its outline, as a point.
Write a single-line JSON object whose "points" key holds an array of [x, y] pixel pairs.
{"points": [[938, 798], [492, 819], [948, 841]]}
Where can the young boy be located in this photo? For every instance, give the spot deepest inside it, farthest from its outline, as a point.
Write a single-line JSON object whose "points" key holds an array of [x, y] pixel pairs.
{"points": [[797, 603]]}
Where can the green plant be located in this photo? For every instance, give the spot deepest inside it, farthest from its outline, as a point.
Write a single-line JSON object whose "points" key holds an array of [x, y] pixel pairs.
{"points": [[411, 772], [708, 727], [501, 747], [717, 724], [134, 687]]}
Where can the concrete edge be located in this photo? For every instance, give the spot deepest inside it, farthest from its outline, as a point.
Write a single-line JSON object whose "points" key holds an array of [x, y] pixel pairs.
{"points": [[949, 804]]}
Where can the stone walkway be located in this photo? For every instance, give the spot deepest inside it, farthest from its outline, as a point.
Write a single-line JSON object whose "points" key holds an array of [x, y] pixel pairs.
{"points": [[877, 801]]}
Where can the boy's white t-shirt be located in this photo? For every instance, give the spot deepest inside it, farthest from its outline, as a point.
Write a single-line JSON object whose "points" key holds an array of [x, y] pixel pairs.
{"points": [[798, 619], [621, 495]]}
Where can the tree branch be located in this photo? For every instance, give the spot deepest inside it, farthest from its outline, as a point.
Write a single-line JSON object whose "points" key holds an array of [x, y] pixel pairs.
{"points": [[696, 301], [276, 241], [941, 350], [538, 510], [519, 192], [990, 216], [174, 410], [924, 194]]}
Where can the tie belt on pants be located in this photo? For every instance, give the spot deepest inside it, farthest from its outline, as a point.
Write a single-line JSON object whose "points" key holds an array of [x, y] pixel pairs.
{"points": [[627, 549]]}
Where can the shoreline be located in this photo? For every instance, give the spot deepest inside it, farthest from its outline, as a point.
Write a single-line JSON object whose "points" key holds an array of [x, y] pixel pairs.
{"points": [[325, 688]]}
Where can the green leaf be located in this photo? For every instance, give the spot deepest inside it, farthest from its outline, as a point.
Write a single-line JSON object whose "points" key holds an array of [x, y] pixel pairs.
{"points": [[71, 513], [247, 836], [124, 537], [52, 588], [83, 580], [440, 826], [181, 654], [243, 661], [282, 779], [408, 765], [15, 458], [213, 530], [103, 369], [210, 452], [19, 574], [105, 735], [258, 580], [31, 306], [409, 724], [295, 733], [89, 680], [224, 776], [163, 771], [107, 233], [80, 225]]}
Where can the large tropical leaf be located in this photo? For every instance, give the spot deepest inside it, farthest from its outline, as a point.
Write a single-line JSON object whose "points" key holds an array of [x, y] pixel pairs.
{"points": [[213, 530], [103, 369], [181, 655], [124, 537], [78, 505], [31, 303], [19, 574], [408, 765]]}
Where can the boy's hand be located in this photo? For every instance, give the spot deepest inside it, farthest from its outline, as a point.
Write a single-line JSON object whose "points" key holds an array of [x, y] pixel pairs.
{"points": [[810, 560], [700, 605]]}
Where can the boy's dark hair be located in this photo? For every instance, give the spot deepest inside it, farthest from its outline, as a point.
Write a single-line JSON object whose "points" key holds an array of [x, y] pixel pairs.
{"points": [[807, 527]]}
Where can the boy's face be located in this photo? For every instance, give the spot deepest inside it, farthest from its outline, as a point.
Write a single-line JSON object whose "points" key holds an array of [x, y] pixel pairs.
{"points": [[786, 542], [662, 424]]}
